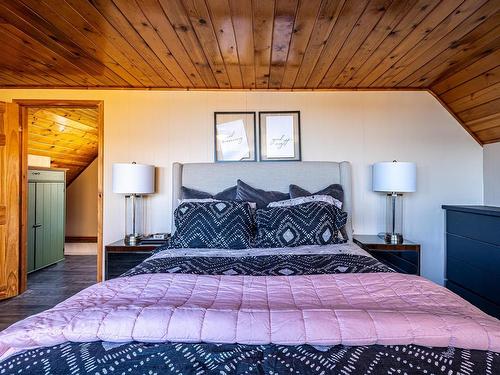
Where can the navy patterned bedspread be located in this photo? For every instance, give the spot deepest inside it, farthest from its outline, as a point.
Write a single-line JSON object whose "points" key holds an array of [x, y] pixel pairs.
{"points": [[262, 265], [98, 358]]}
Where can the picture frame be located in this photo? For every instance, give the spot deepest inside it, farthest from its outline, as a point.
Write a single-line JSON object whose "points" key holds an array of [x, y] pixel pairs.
{"points": [[235, 138], [279, 136]]}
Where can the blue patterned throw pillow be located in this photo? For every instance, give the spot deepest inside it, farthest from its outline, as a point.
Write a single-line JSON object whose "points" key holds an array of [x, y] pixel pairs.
{"points": [[261, 198], [222, 225], [228, 194], [334, 190], [314, 223]]}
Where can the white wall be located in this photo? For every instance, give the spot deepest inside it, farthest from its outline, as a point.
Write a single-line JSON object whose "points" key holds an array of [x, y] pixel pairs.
{"points": [[38, 161], [81, 204], [161, 127], [492, 174]]}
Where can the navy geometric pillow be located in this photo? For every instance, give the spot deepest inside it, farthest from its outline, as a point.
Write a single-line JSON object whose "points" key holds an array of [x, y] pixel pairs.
{"points": [[335, 190], [222, 225], [228, 194], [261, 198], [314, 223]]}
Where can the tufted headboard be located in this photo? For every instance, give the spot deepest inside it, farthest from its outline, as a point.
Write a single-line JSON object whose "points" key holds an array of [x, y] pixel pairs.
{"points": [[311, 175]]}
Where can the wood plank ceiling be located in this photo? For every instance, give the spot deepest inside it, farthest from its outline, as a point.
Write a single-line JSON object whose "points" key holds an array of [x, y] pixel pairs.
{"points": [[69, 136], [448, 46]]}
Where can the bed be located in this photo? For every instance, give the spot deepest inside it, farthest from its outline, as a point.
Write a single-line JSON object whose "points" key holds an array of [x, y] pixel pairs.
{"points": [[304, 310]]}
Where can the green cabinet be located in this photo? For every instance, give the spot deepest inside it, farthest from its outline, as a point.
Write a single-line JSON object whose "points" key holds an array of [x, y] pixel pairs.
{"points": [[46, 218]]}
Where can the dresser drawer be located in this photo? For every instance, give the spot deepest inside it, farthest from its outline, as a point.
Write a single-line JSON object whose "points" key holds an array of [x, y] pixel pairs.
{"points": [[481, 255], [484, 228], [487, 306], [475, 279]]}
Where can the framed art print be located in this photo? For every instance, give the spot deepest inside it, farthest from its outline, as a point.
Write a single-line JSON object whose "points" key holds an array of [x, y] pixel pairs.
{"points": [[279, 136], [234, 136]]}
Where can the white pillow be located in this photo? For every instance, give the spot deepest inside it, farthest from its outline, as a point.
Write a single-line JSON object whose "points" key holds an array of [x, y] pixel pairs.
{"points": [[196, 200], [252, 205], [311, 198]]}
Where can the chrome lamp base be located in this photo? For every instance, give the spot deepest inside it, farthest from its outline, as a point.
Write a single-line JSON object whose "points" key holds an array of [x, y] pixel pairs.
{"points": [[393, 238], [134, 219], [394, 218], [133, 240]]}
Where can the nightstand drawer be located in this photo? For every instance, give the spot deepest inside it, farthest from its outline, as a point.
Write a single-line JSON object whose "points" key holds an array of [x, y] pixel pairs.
{"points": [[120, 262], [401, 261], [120, 257], [403, 257]]}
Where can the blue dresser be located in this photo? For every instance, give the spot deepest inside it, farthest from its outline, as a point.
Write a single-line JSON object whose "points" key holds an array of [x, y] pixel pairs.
{"points": [[473, 255]]}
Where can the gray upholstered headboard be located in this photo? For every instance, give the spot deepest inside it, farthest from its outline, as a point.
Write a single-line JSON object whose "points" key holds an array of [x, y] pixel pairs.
{"points": [[311, 175]]}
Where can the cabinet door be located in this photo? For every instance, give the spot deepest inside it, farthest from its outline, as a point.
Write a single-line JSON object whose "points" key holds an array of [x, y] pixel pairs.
{"points": [[50, 213], [59, 221], [31, 226], [40, 231]]}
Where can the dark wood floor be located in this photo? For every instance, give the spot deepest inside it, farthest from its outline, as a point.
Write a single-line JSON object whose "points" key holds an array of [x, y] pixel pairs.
{"points": [[48, 287]]}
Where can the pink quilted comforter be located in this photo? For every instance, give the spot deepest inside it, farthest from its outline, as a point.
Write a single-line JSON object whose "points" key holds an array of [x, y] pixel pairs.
{"points": [[352, 309]]}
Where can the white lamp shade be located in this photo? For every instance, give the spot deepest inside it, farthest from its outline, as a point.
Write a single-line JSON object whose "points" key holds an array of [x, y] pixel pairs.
{"points": [[133, 178], [397, 177]]}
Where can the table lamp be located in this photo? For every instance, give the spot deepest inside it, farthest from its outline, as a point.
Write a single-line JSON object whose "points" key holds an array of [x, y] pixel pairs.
{"points": [[394, 178], [134, 180]]}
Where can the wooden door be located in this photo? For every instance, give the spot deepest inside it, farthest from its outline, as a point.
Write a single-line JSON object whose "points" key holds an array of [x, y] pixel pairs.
{"points": [[10, 197]]}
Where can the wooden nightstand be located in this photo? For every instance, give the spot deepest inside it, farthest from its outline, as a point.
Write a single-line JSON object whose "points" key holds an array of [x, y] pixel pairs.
{"points": [[120, 257], [403, 257]]}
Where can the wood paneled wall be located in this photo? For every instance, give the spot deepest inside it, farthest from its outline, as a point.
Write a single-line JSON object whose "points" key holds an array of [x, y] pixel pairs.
{"points": [[449, 46], [69, 136], [473, 94]]}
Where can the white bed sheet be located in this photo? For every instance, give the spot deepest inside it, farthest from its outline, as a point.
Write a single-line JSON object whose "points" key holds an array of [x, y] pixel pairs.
{"points": [[345, 248]]}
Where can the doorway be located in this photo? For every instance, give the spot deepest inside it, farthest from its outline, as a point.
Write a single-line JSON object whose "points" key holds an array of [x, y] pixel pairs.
{"points": [[60, 136]]}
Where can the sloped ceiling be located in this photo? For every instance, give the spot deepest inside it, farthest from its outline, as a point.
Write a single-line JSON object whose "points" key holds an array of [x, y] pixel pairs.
{"points": [[69, 136], [448, 46], [473, 94]]}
